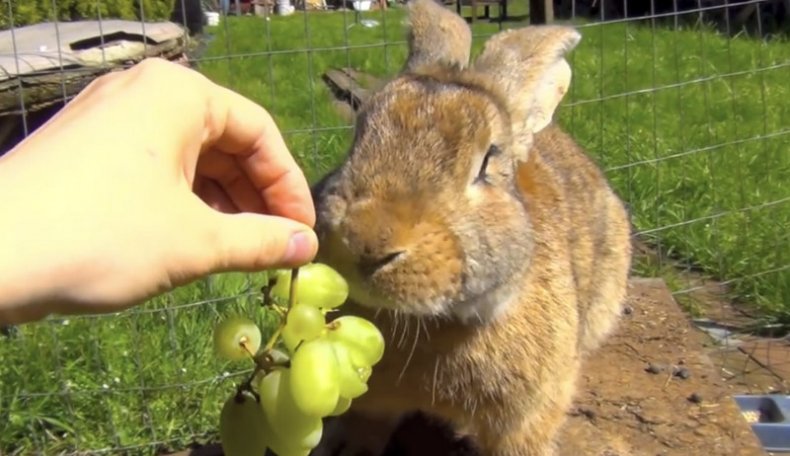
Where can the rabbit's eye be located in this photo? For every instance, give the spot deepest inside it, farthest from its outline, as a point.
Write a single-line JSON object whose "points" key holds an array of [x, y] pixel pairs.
{"points": [[492, 151]]}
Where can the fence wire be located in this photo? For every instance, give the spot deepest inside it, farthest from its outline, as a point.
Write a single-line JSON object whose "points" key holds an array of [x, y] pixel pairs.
{"points": [[684, 104]]}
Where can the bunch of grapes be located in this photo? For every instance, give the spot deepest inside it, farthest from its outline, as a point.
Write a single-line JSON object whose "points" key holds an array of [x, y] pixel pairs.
{"points": [[309, 370]]}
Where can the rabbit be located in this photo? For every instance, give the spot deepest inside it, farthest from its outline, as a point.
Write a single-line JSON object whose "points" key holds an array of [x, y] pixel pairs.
{"points": [[477, 235]]}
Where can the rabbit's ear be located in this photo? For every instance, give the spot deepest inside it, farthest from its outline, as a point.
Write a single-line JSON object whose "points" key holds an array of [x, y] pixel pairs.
{"points": [[529, 65], [436, 36]]}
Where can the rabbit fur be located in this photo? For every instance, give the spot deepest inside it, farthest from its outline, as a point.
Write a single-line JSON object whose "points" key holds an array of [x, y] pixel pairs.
{"points": [[477, 235]]}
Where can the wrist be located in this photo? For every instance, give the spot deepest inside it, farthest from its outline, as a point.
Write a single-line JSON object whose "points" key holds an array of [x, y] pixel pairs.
{"points": [[34, 274], [27, 287]]}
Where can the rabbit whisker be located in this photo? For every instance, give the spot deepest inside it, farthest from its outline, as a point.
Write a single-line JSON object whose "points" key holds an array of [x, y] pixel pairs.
{"points": [[411, 352], [433, 384], [395, 323], [425, 329], [405, 331]]}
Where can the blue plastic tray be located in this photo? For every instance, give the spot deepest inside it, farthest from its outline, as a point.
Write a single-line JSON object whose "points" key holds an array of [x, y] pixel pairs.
{"points": [[773, 419]]}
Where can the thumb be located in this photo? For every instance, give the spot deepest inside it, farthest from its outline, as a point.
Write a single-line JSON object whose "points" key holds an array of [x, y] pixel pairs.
{"points": [[254, 242]]}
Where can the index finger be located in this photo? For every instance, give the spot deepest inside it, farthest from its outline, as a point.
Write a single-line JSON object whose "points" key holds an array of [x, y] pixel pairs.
{"points": [[239, 127]]}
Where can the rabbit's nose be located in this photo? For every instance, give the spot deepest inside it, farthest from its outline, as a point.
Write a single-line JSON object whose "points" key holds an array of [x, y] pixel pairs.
{"points": [[368, 264]]}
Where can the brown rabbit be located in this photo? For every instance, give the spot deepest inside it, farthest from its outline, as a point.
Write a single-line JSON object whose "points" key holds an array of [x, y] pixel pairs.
{"points": [[477, 235]]}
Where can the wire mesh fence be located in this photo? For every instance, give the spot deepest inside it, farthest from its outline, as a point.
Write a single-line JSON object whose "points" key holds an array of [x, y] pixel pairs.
{"points": [[683, 103]]}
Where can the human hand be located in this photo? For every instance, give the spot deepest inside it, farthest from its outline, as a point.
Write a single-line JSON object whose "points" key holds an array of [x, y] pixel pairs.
{"points": [[150, 178]]}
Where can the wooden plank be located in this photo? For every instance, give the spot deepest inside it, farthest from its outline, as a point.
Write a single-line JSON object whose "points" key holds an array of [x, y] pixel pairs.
{"points": [[49, 46], [346, 86], [45, 88]]}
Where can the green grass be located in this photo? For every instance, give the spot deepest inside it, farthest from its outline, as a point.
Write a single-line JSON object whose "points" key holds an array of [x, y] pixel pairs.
{"points": [[699, 149], [128, 380], [665, 150], [704, 161]]}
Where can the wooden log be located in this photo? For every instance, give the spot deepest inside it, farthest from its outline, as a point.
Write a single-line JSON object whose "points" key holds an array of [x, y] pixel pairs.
{"points": [[345, 110], [345, 87], [368, 81]]}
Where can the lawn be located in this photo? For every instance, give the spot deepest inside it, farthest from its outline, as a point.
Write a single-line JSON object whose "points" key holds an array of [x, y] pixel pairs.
{"points": [[688, 124]]}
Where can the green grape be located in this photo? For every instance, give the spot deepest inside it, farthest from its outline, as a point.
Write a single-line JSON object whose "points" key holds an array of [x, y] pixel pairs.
{"points": [[240, 422], [351, 384], [314, 378], [277, 273], [343, 404], [318, 285], [303, 323], [279, 445], [364, 373], [292, 428], [361, 337], [236, 338], [290, 339]]}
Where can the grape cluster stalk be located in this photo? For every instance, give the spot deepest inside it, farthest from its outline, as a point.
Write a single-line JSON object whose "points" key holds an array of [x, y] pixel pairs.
{"points": [[309, 369]]}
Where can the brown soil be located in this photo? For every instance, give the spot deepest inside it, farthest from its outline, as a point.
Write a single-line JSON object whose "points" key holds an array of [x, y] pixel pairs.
{"points": [[753, 359], [625, 407]]}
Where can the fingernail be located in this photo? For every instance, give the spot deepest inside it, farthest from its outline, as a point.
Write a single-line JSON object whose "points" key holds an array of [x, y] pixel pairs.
{"points": [[300, 248]]}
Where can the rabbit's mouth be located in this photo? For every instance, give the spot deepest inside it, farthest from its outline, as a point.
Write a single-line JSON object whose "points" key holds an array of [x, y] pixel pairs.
{"points": [[419, 274], [383, 288]]}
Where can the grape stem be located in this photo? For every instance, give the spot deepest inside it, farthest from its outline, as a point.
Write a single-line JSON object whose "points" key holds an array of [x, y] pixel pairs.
{"points": [[292, 291], [273, 339], [266, 293], [284, 316], [264, 361], [243, 344], [247, 385], [280, 310]]}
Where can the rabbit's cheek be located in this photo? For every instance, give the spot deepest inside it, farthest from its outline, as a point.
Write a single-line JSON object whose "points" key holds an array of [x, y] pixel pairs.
{"points": [[498, 246], [333, 208]]}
